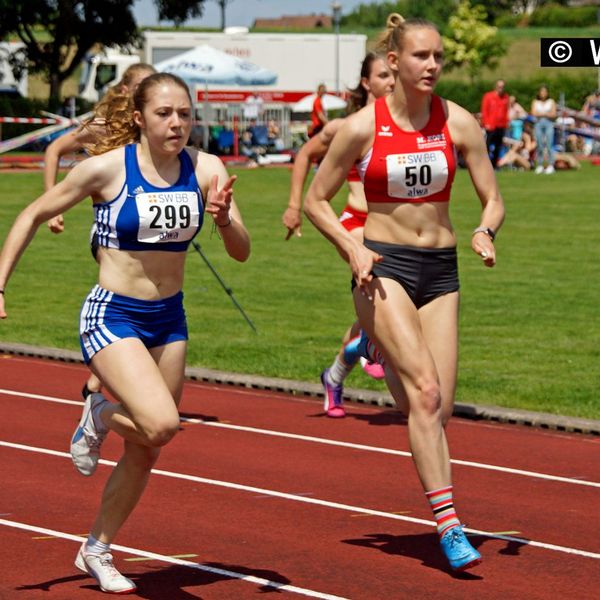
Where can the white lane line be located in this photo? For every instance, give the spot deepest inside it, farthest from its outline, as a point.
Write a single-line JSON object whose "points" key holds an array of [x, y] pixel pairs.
{"points": [[40, 397], [318, 440], [319, 502], [283, 587]]}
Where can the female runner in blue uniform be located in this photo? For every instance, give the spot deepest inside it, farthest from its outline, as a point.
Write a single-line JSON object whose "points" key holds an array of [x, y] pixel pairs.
{"points": [[150, 198], [405, 272], [76, 140]]}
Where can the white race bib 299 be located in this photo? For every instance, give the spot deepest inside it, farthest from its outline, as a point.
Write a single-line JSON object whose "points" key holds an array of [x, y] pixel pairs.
{"points": [[416, 174], [167, 216]]}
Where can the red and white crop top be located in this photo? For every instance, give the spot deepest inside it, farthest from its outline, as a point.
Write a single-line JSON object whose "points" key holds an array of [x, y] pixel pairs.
{"points": [[409, 166]]}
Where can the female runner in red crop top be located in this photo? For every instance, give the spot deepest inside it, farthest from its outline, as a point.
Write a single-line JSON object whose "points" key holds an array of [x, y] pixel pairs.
{"points": [[406, 293], [376, 81]]}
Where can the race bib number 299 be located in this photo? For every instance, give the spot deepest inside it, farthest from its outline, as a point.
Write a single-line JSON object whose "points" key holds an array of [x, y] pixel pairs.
{"points": [[167, 216], [416, 174]]}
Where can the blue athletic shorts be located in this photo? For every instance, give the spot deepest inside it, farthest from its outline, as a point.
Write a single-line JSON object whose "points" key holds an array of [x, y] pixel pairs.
{"points": [[107, 317]]}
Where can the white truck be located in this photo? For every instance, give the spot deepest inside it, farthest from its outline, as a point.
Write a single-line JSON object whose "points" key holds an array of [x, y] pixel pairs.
{"points": [[8, 83], [100, 71], [301, 60]]}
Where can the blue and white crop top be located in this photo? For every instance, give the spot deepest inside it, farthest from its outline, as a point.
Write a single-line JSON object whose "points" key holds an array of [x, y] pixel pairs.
{"points": [[146, 217]]}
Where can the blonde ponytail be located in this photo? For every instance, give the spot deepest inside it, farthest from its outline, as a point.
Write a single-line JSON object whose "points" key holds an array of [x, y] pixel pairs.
{"points": [[390, 40]]}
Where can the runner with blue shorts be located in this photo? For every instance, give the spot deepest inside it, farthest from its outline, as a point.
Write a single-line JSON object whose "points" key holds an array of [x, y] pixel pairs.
{"points": [[151, 195]]}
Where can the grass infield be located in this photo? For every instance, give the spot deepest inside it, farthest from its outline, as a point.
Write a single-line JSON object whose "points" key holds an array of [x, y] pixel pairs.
{"points": [[529, 328]]}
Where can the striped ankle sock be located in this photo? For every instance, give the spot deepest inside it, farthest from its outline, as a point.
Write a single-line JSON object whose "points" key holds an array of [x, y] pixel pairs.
{"points": [[443, 509], [351, 353], [374, 354]]}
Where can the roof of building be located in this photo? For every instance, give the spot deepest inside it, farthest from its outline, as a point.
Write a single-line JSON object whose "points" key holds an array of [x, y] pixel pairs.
{"points": [[295, 22]]}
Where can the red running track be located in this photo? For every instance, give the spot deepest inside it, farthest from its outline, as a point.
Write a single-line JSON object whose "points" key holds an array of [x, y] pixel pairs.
{"points": [[260, 490]]}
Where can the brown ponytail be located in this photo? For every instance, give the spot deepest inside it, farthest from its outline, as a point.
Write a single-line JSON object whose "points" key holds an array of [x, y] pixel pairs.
{"points": [[112, 124]]}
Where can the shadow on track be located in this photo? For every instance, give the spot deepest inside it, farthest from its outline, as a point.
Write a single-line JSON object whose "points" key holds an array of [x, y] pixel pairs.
{"points": [[159, 583]]}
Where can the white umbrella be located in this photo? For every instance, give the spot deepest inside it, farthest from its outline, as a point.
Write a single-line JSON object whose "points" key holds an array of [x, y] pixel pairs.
{"points": [[205, 64], [330, 102]]}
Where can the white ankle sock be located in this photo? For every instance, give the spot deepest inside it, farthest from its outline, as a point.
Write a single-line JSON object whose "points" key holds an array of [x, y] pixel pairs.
{"points": [[338, 371], [94, 546], [98, 422]]}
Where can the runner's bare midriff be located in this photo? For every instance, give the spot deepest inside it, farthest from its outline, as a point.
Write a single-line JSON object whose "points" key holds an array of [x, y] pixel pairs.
{"points": [[149, 275], [423, 224]]}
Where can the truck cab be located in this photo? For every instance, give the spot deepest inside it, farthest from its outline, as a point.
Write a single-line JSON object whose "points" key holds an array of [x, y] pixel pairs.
{"points": [[101, 71]]}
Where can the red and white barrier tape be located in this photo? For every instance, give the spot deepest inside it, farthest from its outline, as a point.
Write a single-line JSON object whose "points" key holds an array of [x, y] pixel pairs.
{"points": [[27, 120]]}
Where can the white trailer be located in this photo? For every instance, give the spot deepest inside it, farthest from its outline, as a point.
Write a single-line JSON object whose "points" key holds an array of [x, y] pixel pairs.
{"points": [[301, 60]]}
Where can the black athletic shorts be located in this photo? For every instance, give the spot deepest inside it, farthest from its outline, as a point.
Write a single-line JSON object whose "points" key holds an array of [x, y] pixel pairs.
{"points": [[424, 273]]}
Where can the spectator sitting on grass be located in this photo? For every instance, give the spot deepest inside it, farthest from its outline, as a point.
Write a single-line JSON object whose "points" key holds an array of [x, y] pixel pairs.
{"points": [[521, 152]]}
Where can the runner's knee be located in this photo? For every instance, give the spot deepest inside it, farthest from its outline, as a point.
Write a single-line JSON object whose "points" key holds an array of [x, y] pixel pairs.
{"points": [[429, 399], [161, 432]]}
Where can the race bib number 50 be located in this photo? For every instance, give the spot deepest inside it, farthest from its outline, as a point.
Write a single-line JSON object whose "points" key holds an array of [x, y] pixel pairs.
{"points": [[416, 174], [167, 216]]}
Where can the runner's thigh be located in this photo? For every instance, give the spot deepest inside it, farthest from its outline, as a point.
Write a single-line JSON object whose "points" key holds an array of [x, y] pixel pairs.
{"points": [[130, 373], [439, 320], [170, 359], [392, 321]]}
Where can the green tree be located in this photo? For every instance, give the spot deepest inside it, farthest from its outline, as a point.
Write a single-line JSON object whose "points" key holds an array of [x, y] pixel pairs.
{"points": [[471, 42], [59, 33], [373, 15], [436, 11], [494, 8]]}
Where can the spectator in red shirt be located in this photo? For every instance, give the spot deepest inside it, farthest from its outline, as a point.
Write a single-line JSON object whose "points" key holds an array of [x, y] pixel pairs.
{"points": [[318, 116], [494, 116]]}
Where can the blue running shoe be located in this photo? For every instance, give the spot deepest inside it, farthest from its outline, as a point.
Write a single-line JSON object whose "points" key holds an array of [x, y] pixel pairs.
{"points": [[333, 406], [458, 550]]}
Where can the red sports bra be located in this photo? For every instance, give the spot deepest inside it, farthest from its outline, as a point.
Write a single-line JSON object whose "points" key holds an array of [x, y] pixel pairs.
{"points": [[409, 166]]}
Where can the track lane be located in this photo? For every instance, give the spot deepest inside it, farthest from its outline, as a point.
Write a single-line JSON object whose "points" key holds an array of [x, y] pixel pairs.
{"points": [[281, 537]]}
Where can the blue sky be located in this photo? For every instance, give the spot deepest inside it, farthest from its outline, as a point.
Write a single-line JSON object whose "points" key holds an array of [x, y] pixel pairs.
{"points": [[243, 12]]}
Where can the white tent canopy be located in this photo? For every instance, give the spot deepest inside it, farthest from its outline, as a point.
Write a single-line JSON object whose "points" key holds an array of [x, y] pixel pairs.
{"points": [[330, 102], [206, 65]]}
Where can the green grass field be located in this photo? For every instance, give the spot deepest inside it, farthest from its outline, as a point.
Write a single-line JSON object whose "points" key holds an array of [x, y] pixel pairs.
{"points": [[530, 331]]}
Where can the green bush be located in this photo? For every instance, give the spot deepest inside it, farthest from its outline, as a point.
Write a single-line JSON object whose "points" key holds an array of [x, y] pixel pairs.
{"points": [[574, 87], [508, 20], [554, 15]]}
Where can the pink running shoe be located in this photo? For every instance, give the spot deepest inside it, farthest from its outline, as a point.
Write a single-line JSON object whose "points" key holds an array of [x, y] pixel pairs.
{"points": [[333, 404], [374, 370]]}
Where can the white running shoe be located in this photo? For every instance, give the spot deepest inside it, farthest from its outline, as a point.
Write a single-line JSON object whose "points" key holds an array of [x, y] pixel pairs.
{"points": [[86, 441], [101, 568], [539, 169], [549, 170]]}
